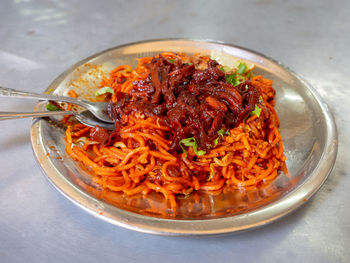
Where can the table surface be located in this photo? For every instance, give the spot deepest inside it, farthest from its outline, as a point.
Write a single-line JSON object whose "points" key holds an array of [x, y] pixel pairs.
{"points": [[40, 39]]}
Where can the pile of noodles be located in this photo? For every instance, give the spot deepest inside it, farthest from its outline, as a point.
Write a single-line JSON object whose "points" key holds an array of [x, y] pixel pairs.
{"points": [[137, 157]]}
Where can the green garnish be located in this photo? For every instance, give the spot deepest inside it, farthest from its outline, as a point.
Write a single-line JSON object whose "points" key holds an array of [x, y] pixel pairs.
{"points": [[221, 134], [51, 107], [191, 142], [250, 75], [104, 90], [171, 60], [241, 68], [216, 141], [256, 111], [234, 79]]}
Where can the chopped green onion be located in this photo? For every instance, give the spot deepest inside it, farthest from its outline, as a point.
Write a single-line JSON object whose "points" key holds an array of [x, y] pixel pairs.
{"points": [[234, 79], [241, 68], [104, 90], [171, 60], [222, 132], [250, 75], [256, 111], [216, 141], [183, 149], [191, 142], [51, 107]]}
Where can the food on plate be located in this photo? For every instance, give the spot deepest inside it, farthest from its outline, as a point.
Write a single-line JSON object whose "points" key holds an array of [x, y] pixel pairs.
{"points": [[182, 124]]}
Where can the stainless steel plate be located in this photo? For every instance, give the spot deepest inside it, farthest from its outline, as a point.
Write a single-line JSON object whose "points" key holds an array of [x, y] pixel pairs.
{"points": [[307, 127]]}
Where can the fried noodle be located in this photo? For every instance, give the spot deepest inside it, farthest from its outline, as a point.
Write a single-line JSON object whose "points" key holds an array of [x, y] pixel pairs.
{"points": [[143, 153]]}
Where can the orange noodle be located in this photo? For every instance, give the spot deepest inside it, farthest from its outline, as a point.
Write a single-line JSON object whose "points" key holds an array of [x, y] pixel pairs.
{"points": [[141, 155]]}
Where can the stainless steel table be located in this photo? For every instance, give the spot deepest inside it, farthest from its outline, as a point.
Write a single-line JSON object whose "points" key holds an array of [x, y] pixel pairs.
{"points": [[40, 39]]}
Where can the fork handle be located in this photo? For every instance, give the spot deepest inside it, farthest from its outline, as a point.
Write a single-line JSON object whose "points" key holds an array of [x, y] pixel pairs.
{"points": [[19, 115], [7, 92]]}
